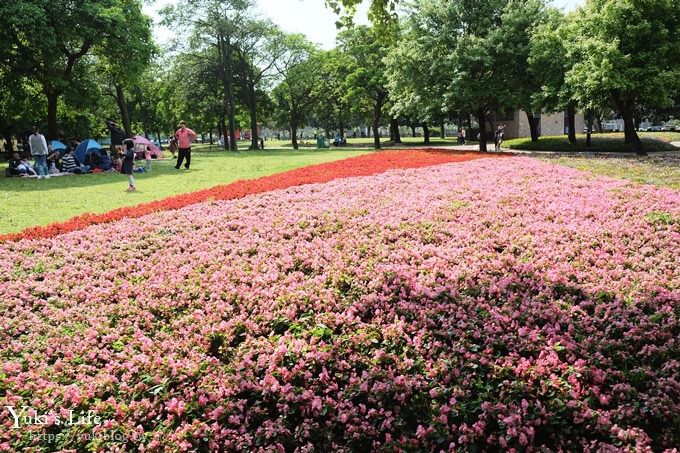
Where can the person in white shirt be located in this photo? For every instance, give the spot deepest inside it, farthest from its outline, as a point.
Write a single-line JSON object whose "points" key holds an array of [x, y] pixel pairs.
{"points": [[39, 151]]}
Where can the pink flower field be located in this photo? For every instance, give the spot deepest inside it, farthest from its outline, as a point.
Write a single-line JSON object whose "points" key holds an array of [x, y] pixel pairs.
{"points": [[496, 304]]}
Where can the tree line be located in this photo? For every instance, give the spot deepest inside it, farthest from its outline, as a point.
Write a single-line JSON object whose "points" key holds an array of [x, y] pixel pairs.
{"points": [[442, 61]]}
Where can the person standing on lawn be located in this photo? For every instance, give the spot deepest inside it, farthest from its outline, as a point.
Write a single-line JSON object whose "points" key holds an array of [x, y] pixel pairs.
{"points": [[128, 164], [117, 136], [185, 137], [39, 152]]}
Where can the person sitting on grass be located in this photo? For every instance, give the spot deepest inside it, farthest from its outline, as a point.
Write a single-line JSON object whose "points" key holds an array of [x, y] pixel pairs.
{"points": [[128, 164], [15, 167], [70, 164], [53, 162], [26, 167], [105, 162], [92, 159]]}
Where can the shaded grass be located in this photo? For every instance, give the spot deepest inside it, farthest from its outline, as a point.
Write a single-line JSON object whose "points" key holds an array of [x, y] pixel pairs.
{"points": [[367, 142], [29, 202], [600, 143]]}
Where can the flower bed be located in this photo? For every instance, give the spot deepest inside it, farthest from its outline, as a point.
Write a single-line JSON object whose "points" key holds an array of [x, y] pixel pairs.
{"points": [[484, 305], [368, 164]]}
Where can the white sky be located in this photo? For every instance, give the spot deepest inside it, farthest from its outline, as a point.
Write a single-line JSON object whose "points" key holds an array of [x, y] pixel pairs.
{"points": [[310, 17]]}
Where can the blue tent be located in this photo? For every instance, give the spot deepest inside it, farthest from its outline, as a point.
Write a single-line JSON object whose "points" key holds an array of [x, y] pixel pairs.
{"points": [[56, 145], [85, 148]]}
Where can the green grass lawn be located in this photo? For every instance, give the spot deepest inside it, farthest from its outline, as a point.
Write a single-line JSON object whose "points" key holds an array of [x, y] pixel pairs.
{"points": [[28, 201], [652, 141], [658, 170]]}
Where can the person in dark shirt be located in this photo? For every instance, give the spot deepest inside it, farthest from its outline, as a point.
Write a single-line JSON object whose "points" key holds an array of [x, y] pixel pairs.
{"points": [[128, 164], [15, 166], [105, 162], [70, 164], [117, 136]]}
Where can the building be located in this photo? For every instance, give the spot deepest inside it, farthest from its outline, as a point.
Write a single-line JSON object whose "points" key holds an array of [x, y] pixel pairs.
{"points": [[548, 124]]}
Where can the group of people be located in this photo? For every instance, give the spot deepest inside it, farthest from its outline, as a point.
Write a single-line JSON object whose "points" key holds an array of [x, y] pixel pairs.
{"points": [[498, 136], [180, 143], [49, 162], [461, 136]]}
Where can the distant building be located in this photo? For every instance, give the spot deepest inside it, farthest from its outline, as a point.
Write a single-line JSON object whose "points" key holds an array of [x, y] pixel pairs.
{"points": [[548, 124]]}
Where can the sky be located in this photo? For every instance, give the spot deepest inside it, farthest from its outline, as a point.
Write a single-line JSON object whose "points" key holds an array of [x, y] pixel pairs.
{"points": [[310, 17]]}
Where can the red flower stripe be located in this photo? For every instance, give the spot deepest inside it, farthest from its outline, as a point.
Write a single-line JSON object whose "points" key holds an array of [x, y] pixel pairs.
{"points": [[364, 165]]}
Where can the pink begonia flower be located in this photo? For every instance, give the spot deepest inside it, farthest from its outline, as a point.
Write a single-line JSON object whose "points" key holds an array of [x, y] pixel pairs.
{"points": [[345, 311]]}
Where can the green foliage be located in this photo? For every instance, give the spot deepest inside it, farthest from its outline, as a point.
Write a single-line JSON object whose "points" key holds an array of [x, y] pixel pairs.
{"points": [[380, 12], [332, 112], [366, 83], [297, 93], [631, 47], [54, 44]]}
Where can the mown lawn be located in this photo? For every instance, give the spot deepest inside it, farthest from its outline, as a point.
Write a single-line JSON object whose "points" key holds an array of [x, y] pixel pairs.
{"points": [[652, 141], [659, 170], [28, 202]]}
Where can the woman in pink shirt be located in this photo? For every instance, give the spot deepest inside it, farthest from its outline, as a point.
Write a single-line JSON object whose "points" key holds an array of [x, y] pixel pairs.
{"points": [[185, 137]]}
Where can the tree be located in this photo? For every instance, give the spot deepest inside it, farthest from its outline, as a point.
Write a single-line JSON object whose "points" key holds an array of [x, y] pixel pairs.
{"points": [[367, 78], [214, 24], [258, 46], [549, 63], [124, 56], [416, 86], [332, 111], [513, 39], [299, 69], [627, 51], [50, 41], [468, 35]]}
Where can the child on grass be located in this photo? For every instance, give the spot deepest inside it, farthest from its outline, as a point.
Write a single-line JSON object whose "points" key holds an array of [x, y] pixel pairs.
{"points": [[128, 164], [147, 157]]}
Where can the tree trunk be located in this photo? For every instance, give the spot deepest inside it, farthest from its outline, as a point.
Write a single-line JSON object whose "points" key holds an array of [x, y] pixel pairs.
{"points": [[158, 137], [442, 130], [481, 118], [52, 101], [571, 122], [413, 131], [123, 107], [631, 136], [342, 129], [376, 133], [254, 136], [211, 137], [377, 110], [394, 131], [232, 99], [293, 134], [222, 126], [598, 122], [426, 134], [224, 48], [533, 125]]}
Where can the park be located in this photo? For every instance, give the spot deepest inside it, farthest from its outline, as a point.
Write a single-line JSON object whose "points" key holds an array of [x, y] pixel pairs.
{"points": [[340, 226]]}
